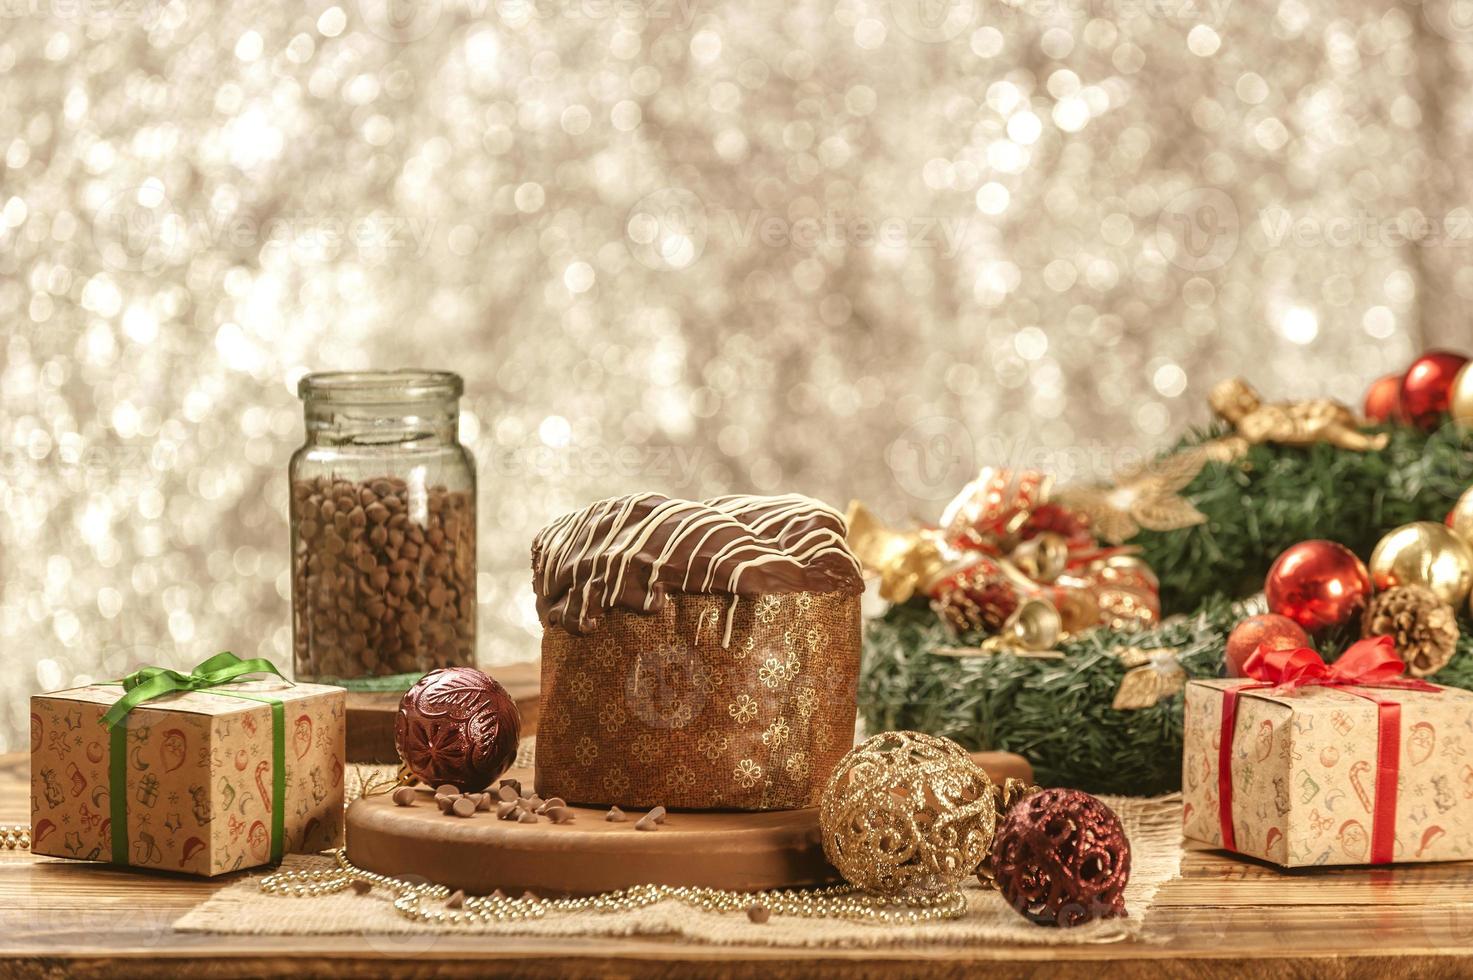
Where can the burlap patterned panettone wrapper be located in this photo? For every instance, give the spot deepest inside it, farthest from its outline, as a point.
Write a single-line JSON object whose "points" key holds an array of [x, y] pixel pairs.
{"points": [[651, 709]]}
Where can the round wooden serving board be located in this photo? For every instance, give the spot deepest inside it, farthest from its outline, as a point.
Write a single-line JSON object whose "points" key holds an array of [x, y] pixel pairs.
{"points": [[479, 854]]}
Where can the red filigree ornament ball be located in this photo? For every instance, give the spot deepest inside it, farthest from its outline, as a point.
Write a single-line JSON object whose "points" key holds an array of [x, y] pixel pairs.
{"points": [[1318, 584], [1426, 388], [457, 725], [1061, 859], [1275, 631]]}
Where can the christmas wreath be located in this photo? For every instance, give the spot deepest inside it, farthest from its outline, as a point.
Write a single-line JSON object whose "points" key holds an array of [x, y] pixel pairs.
{"points": [[1063, 626]]}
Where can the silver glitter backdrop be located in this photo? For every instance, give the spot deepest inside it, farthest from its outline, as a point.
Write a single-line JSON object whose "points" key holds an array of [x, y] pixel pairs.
{"points": [[847, 248]]}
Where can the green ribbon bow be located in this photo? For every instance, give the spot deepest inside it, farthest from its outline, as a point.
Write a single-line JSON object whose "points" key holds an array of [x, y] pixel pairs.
{"points": [[148, 683]]}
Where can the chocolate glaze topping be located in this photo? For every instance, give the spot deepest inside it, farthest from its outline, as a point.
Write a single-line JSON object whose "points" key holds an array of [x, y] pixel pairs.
{"points": [[630, 551]]}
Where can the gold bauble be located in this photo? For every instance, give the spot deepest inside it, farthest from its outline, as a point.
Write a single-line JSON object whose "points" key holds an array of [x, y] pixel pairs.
{"points": [[1427, 554], [1460, 397], [1460, 518], [907, 812]]}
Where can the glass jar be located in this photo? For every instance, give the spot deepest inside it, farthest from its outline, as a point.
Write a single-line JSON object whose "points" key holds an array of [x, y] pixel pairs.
{"points": [[383, 530]]}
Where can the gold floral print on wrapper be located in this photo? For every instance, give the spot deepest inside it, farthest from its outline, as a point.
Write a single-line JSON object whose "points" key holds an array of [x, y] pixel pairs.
{"points": [[651, 708]]}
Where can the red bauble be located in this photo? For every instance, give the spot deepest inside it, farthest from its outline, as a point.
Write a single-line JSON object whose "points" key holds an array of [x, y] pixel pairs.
{"points": [[457, 725], [1318, 584], [1383, 399], [1427, 386], [1061, 858], [1275, 631]]}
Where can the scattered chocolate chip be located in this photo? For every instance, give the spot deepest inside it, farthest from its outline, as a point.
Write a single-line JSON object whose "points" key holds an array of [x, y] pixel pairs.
{"points": [[560, 814], [515, 784], [445, 803], [616, 815], [463, 807], [645, 823], [508, 793], [404, 796], [456, 900], [508, 810], [549, 805], [758, 913], [483, 802], [657, 814], [360, 887], [532, 802], [527, 817], [447, 789]]}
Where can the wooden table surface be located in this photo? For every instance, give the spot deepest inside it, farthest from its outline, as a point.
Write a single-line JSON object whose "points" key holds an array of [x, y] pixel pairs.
{"points": [[62, 917]]}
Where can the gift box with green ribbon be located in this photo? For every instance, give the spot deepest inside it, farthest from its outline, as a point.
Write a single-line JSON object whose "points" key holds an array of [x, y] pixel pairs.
{"points": [[203, 772]]}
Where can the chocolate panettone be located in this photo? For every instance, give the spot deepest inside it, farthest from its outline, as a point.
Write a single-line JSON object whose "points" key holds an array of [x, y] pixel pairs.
{"points": [[696, 654]]}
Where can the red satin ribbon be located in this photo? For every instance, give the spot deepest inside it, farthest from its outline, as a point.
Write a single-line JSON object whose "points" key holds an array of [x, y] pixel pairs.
{"points": [[1371, 662]]}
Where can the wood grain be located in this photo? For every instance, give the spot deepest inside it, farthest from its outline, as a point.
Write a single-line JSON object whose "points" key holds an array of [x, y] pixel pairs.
{"points": [[1223, 918]]}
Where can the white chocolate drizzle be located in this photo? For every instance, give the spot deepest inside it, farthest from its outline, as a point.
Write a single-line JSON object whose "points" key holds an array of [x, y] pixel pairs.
{"points": [[631, 551]]}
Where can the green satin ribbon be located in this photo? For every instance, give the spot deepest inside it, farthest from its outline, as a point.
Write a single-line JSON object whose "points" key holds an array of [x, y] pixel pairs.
{"points": [[148, 683]]}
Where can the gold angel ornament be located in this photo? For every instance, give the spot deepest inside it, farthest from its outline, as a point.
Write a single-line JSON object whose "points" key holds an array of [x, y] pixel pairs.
{"points": [[1302, 423]]}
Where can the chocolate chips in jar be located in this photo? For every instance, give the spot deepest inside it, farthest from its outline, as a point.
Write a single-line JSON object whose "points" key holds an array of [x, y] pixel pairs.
{"points": [[384, 577]]}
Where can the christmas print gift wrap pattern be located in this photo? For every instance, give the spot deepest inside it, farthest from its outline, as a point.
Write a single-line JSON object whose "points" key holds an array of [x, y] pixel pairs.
{"points": [[1304, 776], [650, 708], [198, 775]]}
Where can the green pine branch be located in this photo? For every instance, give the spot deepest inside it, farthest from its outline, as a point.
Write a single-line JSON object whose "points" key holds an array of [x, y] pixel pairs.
{"points": [[1277, 496], [1058, 714]]}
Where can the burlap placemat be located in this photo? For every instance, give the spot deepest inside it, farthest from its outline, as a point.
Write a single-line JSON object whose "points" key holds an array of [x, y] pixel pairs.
{"points": [[1153, 826]]}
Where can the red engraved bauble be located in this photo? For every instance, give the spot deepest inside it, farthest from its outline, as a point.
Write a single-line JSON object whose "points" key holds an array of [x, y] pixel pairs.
{"points": [[457, 725], [1061, 859], [1271, 630], [1383, 399], [1318, 584], [1426, 388]]}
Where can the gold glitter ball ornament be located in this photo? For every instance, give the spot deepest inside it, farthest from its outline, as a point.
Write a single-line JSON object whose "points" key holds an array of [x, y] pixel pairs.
{"points": [[905, 812]]}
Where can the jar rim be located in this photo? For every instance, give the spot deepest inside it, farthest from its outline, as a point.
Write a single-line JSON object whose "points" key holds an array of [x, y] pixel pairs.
{"points": [[370, 387]]}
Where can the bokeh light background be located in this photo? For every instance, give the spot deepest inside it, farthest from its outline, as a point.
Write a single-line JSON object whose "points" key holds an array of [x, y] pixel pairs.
{"points": [[848, 248]]}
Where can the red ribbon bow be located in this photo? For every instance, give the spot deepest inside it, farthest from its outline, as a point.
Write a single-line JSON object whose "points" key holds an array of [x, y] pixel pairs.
{"points": [[1371, 662]]}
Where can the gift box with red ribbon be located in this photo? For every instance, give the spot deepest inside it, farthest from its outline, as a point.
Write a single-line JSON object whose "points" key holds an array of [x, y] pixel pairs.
{"points": [[1302, 763]]}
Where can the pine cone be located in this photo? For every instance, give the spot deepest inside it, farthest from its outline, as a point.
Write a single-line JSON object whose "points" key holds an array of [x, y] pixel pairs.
{"points": [[974, 601], [1424, 627]]}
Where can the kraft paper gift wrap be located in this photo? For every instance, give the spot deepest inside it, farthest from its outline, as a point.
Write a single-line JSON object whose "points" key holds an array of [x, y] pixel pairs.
{"points": [[198, 771], [1304, 778]]}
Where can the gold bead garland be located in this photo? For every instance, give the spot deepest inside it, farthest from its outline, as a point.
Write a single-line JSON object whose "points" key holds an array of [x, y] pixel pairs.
{"points": [[906, 811], [834, 901]]}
